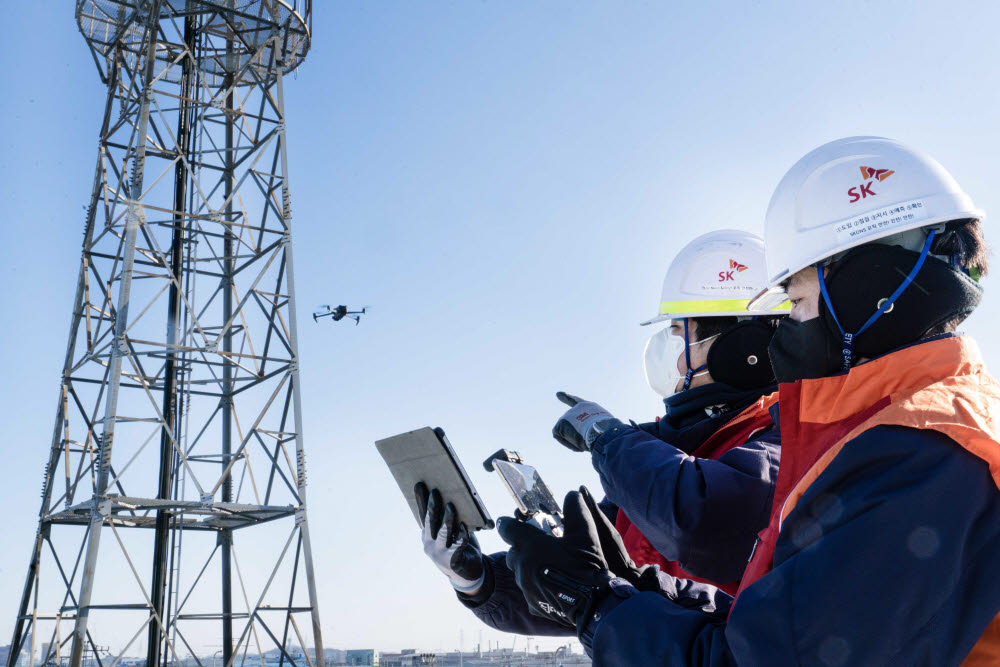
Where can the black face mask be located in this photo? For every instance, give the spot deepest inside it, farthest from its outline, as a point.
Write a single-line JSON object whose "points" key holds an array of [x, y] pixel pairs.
{"points": [[803, 350], [857, 284]]}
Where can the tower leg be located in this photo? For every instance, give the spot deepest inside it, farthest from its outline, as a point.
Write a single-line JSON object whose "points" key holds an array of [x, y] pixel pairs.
{"points": [[228, 265], [56, 450], [119, 347], [300, 516]]}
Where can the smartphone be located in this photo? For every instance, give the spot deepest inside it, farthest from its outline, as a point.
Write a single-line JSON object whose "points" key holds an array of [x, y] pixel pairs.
{"points": [[532, 496]]}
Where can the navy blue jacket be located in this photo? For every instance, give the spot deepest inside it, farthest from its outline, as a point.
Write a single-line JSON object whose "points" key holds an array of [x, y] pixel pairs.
{"points": [[709, 491], [506, 610], [703, 513], [890, 557]]}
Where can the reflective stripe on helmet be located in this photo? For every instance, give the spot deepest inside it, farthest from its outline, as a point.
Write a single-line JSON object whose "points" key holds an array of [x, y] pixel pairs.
{"points": [[729, 305]]}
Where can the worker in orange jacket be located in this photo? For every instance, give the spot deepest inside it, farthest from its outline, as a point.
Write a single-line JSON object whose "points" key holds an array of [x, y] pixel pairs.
{"points": [[885, 527]]}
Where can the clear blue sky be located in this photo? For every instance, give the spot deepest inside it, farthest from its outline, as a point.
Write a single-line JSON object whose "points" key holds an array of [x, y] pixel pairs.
{"points": [[504, 183]]}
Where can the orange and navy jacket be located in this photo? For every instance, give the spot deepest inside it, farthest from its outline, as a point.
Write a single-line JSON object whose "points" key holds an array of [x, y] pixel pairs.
{"points": [[687, 504], [884, 536]]}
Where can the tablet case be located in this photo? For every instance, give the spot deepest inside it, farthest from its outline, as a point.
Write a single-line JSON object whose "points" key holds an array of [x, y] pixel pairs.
{"points": [[425, 455]]}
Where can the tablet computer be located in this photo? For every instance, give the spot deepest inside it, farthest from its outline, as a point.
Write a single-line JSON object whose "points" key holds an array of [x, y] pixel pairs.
{"points": [[425, 455]]}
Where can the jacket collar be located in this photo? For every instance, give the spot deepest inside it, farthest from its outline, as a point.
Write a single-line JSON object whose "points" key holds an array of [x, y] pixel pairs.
{"points": [[904, 370], [692, 406]]}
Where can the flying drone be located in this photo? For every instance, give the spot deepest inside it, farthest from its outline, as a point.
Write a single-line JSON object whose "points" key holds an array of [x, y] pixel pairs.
{"points": [[339, 313]]}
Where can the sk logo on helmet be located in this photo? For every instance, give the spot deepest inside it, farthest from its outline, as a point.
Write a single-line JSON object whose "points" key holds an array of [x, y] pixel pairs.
{"points": [[864, 190], [880, 174], [734, 267]]}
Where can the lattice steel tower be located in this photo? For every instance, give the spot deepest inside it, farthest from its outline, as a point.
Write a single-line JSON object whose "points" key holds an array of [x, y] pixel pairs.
{"points": [[173, 508]]}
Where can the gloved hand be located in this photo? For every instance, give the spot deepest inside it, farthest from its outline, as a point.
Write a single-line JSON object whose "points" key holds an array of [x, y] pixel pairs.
{"points": [[582, 424], [562, 579], [645, 577], [448, 543], [612, 547]]}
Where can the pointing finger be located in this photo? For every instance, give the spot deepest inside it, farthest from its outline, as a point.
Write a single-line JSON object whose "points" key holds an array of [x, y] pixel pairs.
{"points": [[568, 399]]}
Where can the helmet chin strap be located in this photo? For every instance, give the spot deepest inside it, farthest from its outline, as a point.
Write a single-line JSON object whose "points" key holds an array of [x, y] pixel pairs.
{"points": [[847, 351], [687, 358]]}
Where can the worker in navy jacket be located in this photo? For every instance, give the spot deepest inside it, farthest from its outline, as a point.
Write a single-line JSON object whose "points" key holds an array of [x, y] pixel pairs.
{"points": [[692, 489], [703, 512]]}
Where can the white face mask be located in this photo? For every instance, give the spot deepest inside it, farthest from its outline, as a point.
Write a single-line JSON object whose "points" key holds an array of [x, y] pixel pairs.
{"points": [[663, 354]]}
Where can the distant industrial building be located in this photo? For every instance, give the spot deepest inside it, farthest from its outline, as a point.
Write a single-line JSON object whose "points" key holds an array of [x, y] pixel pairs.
{"points": [[408, 658], [362, 658]]}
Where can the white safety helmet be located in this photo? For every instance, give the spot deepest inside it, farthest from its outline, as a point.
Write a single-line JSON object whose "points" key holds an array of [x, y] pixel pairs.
{"points": [[850, 192], [714, 275]]}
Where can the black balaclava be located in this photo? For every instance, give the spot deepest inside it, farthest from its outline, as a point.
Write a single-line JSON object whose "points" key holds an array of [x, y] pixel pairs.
{"points": [[738, 364], [738, 357], [875, 299]]}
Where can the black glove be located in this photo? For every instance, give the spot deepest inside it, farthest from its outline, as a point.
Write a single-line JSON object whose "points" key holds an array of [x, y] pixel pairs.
{"points": [[582, 424], [448, 543], [562, 579], [645, 577], [615, 554]]}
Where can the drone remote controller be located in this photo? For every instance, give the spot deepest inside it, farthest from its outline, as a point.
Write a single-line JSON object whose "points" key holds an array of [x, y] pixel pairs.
{"points": [[535, 503]]}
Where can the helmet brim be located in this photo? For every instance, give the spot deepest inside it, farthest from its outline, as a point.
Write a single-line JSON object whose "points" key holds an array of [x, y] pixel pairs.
{"points": [[750, 311], [773, 298]]}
